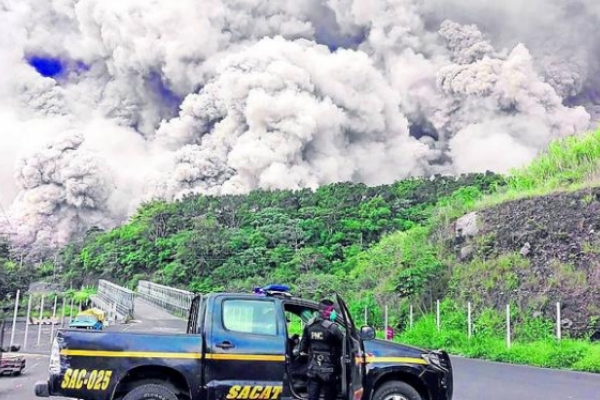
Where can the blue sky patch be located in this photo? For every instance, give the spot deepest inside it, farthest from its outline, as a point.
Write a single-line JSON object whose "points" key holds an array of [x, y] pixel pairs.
{"points": [[47, 66]]}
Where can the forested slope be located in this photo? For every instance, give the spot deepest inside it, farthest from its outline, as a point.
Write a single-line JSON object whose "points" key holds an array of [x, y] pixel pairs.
{"points": [[304, 238]]}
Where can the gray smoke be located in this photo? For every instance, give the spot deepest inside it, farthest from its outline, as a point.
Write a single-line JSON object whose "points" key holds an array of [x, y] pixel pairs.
{"points": [[151, 99], [63, 187], [290, 115]]}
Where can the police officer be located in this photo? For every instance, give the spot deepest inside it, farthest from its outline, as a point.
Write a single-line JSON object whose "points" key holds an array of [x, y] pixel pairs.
{"points": [[322, 340]]}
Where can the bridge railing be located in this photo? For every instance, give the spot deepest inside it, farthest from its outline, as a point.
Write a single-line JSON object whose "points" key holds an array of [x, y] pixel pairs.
{"points": [[175, 301], [114, 297]]}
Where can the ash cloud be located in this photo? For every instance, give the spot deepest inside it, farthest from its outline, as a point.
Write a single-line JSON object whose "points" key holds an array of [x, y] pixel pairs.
{"points": [[106, 104], [61, 184], [290, 115]]}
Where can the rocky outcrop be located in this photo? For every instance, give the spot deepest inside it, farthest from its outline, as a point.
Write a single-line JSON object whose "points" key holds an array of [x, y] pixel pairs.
{"points": [[467, 226], [557, 237]]}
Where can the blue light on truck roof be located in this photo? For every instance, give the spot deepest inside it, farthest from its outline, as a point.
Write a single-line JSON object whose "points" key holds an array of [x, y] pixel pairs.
{"points": [[277, 288], [272, 288]]}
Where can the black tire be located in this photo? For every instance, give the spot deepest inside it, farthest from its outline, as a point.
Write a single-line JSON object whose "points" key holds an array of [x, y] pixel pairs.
{"points": [[151, 392], [396, 390]]}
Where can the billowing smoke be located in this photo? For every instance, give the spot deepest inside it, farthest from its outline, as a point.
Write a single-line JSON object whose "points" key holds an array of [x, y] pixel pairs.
{"points": [[105, 104], [284, 114]]}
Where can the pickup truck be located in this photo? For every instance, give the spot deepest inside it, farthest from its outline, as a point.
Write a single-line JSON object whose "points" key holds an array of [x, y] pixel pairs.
{"points": [[238, 346]]}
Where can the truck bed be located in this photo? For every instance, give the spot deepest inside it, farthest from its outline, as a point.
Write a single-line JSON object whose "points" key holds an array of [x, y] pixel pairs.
{"points": [[96, 361]]}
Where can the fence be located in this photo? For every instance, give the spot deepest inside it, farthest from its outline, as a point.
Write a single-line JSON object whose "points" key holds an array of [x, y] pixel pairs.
{"points": [[173, 300], [36, 319], [469, 325]]}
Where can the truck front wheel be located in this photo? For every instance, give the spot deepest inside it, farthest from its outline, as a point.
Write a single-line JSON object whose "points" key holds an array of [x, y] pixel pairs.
{"points": [[396, 390], [151, 392]]}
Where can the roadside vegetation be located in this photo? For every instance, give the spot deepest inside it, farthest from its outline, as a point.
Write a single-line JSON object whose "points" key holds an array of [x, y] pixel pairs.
{"points": [[534, 342]]}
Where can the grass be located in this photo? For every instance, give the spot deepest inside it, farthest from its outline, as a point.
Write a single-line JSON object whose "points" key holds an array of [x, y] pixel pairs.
{"points": [[568, 161], [534, 345], [568, 164]]}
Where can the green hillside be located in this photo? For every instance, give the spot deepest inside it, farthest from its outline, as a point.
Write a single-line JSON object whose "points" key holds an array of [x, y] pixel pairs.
{"points": [[311, 240]]}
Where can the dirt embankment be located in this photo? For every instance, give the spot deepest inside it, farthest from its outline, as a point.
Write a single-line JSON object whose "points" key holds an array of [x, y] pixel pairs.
{"points": [[535, 252]]}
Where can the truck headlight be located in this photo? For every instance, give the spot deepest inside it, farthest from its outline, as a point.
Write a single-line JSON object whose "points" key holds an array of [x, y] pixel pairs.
{"points": [[55, 358]]}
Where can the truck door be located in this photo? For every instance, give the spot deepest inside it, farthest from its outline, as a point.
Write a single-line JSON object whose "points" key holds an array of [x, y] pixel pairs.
{"points": [[245, 354], [353, 363]]}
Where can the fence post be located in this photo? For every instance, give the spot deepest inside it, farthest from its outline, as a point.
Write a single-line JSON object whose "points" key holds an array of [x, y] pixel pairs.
{"points": [[14, 324], [469, 320], [385, 329], [437, 314], [71, 309], [411, 316], [62, 315], [27, 321], [40, 321], [52, 320], [508, 325], [558, 319]]}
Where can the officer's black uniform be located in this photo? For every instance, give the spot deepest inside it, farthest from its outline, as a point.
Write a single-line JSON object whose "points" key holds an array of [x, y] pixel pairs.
{"points": [[322, 340]]}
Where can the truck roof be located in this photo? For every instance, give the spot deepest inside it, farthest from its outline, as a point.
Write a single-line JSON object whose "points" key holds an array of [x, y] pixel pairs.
{"points": [[273, 294]]}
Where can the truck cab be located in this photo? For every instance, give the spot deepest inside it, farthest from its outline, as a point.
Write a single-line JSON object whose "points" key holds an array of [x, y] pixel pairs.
{"points": [[238, 346], [251, 347]]}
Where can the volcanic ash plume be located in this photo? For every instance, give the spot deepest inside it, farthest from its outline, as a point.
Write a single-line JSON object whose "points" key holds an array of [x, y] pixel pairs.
{"points": [[502, 112], [63, 189], [104, 104], [289, 115]]}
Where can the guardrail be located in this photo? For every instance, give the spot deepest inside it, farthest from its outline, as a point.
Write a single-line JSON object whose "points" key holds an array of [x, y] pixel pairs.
{"points": [[110, 294], [175, 301]]}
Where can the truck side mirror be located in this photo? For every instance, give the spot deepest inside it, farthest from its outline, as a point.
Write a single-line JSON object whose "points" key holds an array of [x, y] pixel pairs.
{"points": [[367, 332]]}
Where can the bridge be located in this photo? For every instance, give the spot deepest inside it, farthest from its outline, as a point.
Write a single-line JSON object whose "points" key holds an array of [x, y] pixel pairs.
{"points": [[160, 307]]}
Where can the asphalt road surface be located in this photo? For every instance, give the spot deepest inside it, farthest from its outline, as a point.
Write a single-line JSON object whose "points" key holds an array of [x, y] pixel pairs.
{"points": [[21, 387], [482, 380], [474, 379]]}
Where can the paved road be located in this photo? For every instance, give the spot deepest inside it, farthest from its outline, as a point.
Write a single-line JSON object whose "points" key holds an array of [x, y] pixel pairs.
{"points": [[474, 380], [21, 387], [148, 317], [481, 380]]}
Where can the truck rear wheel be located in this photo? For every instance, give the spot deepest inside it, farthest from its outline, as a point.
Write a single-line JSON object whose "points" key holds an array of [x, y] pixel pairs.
{"points": [[396, 390], [151, 392]]}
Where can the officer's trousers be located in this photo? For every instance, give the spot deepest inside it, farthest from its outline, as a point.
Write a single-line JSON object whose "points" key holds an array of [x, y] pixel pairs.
{"points": [[315, 384]]}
